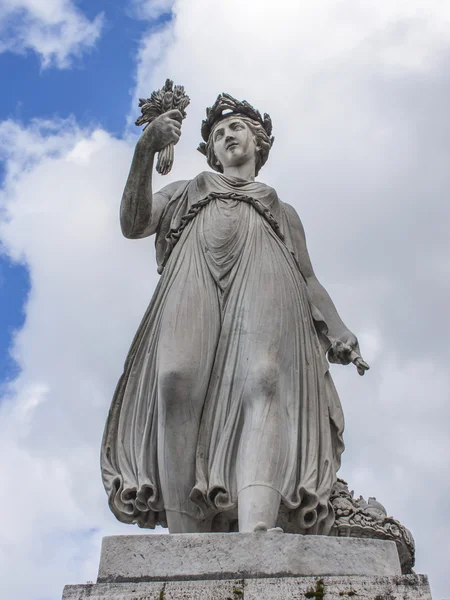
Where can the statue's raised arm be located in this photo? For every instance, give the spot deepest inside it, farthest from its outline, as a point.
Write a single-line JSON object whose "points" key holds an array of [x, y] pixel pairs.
{"points": [[140, 209]]}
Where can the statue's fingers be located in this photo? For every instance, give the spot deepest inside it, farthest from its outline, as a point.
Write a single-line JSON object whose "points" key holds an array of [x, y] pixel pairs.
{"points": [[362, 363], [345, 353], [334, 354], [340, 353], [175, 124], [357, 359], [343, 360], [175, 114], [331, 356], [175, 135]]}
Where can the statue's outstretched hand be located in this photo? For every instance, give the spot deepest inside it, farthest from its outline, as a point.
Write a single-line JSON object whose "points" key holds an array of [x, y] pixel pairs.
{"points": [[345, 350], [163, 131]]}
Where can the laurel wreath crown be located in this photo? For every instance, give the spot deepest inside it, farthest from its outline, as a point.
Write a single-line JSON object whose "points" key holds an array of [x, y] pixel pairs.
{"points": [[225, 105]]}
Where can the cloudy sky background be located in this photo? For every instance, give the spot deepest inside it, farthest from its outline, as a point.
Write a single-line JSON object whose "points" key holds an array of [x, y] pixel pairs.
{"points": [[358, 93]]}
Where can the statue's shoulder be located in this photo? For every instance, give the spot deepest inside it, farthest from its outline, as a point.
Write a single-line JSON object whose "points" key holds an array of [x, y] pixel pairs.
{"points": [[171, 189], [292, 215], [290, 210], [293, 221], [205, 177]]}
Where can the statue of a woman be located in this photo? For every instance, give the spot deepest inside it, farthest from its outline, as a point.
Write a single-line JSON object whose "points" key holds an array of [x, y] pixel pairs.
{"points": [[226, 417]]}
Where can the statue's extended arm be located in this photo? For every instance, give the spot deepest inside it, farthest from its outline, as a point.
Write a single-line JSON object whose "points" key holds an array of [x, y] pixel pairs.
{"points": [[140, 209], [344, 344]]}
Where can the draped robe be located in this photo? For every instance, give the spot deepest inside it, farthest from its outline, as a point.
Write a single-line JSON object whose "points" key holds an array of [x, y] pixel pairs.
{"points": [[231, 246]]}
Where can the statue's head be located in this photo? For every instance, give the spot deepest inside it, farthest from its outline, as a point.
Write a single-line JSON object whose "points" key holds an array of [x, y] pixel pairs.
{"points": [[228, 121]]}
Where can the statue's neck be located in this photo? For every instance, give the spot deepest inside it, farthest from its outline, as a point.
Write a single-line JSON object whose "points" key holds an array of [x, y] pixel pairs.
{"points": [[245, 171]]}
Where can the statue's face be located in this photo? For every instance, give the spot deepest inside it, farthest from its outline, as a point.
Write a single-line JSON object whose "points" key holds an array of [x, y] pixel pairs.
{"points": [[233, 142]]}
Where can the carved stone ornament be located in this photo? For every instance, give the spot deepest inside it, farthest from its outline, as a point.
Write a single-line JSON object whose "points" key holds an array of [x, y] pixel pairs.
{"points": [[357, 518]]}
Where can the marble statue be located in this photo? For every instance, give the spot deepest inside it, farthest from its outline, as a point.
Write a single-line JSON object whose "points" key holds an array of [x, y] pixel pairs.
{"points": [[226, 417]]}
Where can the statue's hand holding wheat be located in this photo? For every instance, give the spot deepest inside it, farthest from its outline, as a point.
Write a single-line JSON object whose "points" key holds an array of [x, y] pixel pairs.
{"points": [[170, 101]]}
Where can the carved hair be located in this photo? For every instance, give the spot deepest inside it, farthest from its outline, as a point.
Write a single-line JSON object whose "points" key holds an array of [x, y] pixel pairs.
{"points": [[263, 144]]}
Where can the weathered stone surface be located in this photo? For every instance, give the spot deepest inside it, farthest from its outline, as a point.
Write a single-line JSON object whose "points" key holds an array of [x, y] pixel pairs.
{"points": [[405, 587], [409, 587], [186, 590], [224, 556], [357, 518], [232, 349]]}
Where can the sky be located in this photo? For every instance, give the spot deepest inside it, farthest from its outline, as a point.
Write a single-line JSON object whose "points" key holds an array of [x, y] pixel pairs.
{"points": [[358, 94]]}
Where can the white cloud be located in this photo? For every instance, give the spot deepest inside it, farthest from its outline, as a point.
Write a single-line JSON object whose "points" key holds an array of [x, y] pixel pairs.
{"points": [[151, 9], [55, 29], [59, 216], [358, 97]]}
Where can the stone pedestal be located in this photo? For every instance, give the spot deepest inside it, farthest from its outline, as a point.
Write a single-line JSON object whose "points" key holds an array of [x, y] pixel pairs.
{"points": [[256, 566]]}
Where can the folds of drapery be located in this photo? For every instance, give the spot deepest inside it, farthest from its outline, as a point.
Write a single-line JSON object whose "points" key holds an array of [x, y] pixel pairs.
{"points": [[310, 414]]}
